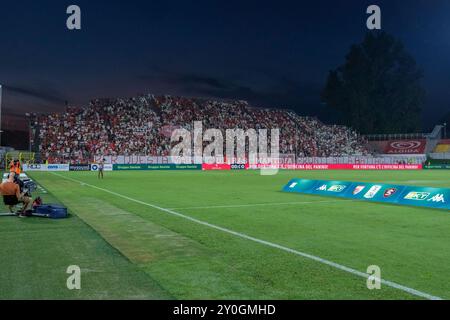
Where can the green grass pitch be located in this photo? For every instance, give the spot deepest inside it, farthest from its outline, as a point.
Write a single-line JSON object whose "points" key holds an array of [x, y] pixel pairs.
{"points": [[127, 249]]}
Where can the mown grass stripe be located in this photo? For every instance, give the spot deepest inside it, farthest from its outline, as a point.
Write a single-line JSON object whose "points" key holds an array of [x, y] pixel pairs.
{"points": [[263, 242]]}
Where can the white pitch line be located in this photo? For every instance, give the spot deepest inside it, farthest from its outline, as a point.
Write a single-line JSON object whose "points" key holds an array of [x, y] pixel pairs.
{"points": [[258, 204], [264, 242]]}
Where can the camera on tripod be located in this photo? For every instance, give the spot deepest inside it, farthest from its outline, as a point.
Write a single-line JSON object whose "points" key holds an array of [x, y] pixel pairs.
{"points": [[26, 185]]}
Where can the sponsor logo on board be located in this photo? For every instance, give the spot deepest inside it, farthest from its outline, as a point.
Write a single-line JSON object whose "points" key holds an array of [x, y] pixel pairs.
{"points": [[372, 192], [417, 196], [389, 192], [437, 198], [358, 189], [336, 188]]}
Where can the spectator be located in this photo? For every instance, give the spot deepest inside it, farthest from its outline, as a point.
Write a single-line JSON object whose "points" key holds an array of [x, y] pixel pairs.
{"points": [[138, 125]]}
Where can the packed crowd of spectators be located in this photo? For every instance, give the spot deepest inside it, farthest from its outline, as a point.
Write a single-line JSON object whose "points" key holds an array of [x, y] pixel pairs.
{"points": [[142, 126]]}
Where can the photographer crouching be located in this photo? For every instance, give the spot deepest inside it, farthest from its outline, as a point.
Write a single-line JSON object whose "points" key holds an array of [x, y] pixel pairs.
{"points": [[12, 195]]}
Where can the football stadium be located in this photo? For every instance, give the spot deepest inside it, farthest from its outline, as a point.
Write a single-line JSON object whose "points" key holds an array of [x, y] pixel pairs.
{"points": [[219, 193]]}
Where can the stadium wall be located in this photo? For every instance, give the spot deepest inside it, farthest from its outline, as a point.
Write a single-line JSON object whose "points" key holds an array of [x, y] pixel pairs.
{"points": [[223, 166], [287, 159]]}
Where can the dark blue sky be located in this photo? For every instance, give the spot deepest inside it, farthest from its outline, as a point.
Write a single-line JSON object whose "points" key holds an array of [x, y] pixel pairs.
{"points": [[273, 53]]}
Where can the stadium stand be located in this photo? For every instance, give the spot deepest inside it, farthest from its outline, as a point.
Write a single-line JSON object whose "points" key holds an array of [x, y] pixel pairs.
{"points": [[410, 143], [443, 146], [142, 126]]}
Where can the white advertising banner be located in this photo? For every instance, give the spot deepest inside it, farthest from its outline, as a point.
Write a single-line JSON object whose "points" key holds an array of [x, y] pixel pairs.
{"points": [[106, 167], [133, 159], [45, 167], [284, 159], [58, 167], [34, 167]]}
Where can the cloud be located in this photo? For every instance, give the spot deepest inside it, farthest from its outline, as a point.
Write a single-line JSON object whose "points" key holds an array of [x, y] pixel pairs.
{"points": [[47, 95], [197, 80], [196, 84], [268, 90], [278, 91]]}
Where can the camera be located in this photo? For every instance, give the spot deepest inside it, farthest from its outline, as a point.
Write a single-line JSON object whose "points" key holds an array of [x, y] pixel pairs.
{"points": [[27, 186]]}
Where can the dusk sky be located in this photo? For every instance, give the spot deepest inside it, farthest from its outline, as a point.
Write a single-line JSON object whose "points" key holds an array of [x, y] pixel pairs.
{"points": [[273, 53]]}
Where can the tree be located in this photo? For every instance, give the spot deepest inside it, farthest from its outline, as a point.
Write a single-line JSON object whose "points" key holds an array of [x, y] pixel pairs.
{"points": [[378, 89]]}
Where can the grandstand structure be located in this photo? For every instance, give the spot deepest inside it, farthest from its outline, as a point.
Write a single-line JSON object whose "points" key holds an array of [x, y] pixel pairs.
{"points": [[443, 147], [142, 126], [429, 140], [432, 146]]}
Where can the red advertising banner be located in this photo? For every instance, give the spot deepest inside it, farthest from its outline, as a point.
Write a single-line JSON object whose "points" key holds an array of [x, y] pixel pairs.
{"points": [[405, 147], [216, 166], [343, 166]]}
